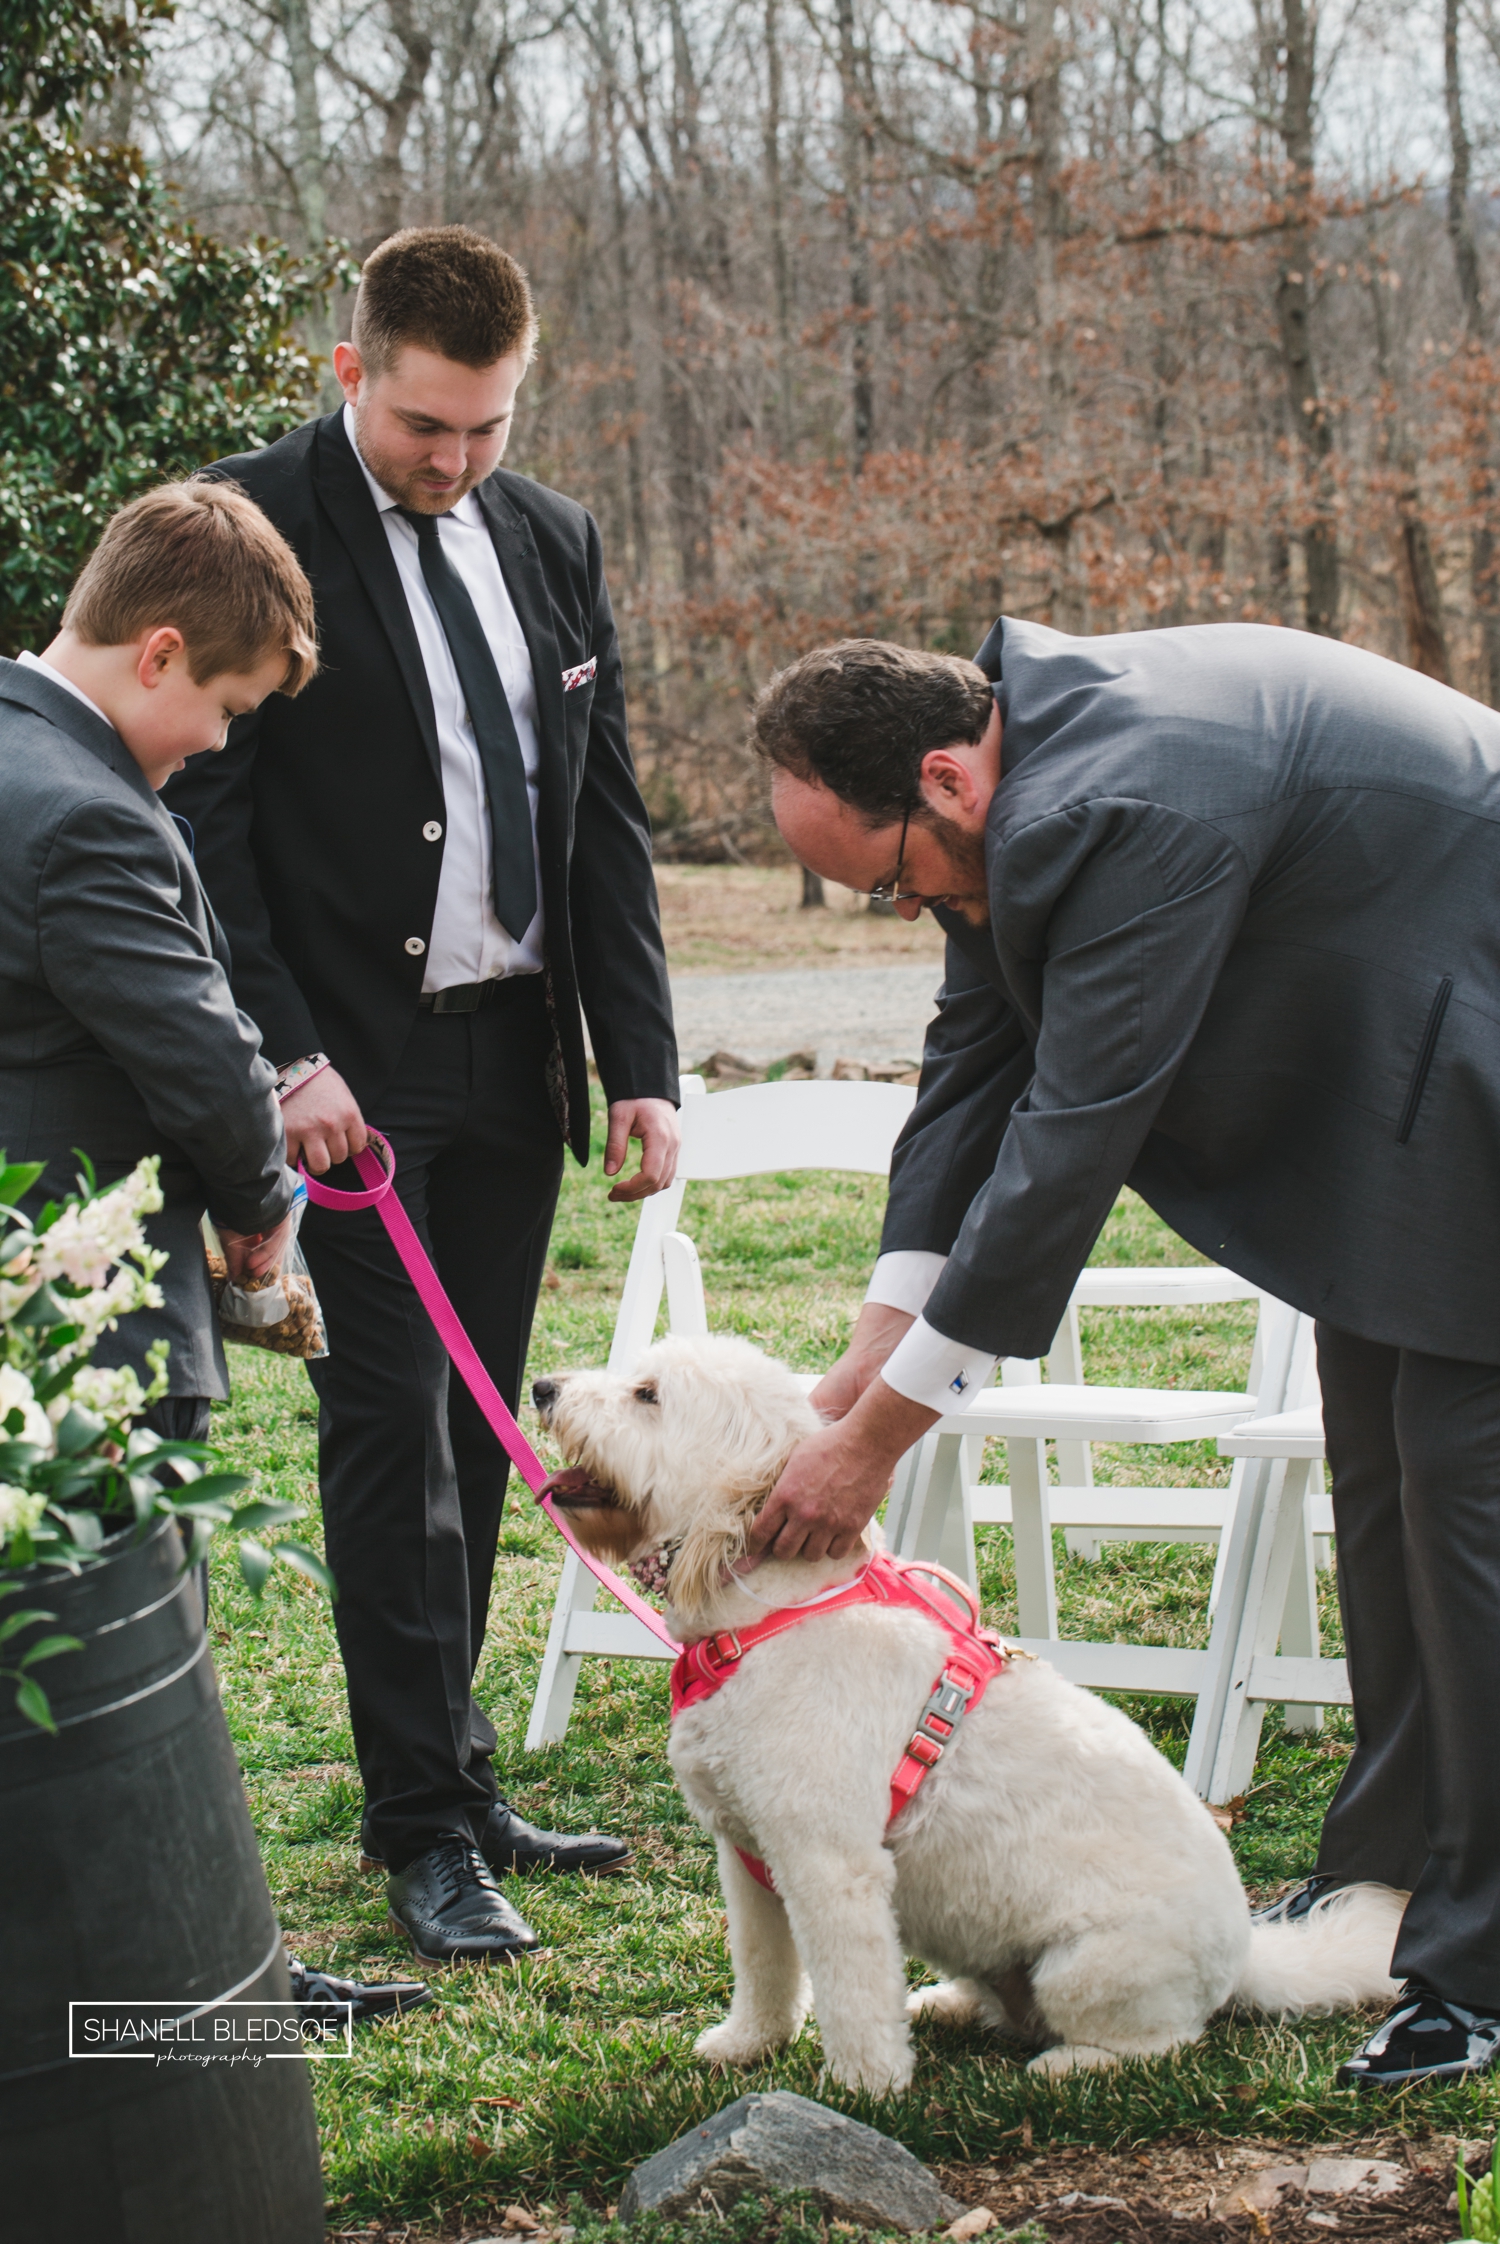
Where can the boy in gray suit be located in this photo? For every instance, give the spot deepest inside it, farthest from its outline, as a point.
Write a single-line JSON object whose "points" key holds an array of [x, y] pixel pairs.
{"points": [[1222, 923], [118, 1031]]}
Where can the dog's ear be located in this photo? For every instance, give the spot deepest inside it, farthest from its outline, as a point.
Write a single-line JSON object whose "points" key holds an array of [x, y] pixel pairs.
{"points": [[714, 1542]]}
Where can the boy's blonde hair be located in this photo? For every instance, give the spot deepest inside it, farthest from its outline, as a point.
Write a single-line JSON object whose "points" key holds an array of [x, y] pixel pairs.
{"points": [[202, 556]]}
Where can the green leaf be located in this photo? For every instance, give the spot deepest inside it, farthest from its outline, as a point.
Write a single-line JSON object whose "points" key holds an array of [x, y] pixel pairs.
{"points": [[255, 1565], [252, 1517], [79, 1431], [199, 1542], [15, 1622], [216, 1486], [17, 1179], [35, 1704], [308, 1562], [40, 1309], [48, 1648]]}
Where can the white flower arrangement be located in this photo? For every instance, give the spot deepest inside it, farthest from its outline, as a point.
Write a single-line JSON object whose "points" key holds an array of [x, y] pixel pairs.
{"points": [[75, 1466]]}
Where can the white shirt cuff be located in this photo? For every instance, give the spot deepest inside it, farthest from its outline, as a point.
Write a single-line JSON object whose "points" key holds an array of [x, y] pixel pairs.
{"points": [[927, 1367], [904, 1280]]}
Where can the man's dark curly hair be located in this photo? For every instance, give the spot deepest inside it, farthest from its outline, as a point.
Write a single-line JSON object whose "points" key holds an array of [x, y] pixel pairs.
{"points": [[860, 716]]}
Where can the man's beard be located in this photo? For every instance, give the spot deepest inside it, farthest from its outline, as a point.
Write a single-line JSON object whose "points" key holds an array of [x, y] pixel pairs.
{"points": [[405, 484], [965, 854]]}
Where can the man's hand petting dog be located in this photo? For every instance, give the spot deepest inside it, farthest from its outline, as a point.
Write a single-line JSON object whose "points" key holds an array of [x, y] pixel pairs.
{"points": [[655, 1123], [834, 1480], [323, 1123]]}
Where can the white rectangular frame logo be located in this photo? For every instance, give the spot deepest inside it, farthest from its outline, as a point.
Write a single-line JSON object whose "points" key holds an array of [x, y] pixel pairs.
{"points": [[173, 2034]]}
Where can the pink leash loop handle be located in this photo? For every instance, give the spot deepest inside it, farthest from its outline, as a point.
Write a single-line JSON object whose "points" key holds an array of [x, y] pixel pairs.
{"points": [[379, 1174]]}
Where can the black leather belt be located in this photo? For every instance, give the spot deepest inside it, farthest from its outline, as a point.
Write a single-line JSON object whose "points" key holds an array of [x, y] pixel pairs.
{"points": [[469, 997]]}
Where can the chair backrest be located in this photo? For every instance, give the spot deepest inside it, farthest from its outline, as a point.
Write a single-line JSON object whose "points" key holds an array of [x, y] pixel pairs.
{"points": [[756, 1131]]}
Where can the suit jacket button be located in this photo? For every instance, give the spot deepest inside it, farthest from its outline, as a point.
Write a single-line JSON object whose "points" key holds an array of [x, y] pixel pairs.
{"points": [[432, 831], [415, 945]]}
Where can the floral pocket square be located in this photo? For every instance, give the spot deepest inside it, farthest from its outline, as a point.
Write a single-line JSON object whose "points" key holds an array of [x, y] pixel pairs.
{"points": [[582, 674]]}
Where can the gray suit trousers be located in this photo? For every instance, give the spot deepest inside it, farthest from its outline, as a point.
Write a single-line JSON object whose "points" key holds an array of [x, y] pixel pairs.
{"points": [[1414, 1446]]}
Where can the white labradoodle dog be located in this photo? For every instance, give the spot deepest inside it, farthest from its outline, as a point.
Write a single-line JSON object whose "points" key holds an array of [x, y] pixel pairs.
{"points": [[1053, 1867]]}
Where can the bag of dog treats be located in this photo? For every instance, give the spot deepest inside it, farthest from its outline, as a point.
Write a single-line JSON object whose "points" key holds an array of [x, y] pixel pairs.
{"points": [[277, 1310]]}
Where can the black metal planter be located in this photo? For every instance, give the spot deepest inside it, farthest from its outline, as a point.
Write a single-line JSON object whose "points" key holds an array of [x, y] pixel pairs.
{"points": [[129, 1870]]}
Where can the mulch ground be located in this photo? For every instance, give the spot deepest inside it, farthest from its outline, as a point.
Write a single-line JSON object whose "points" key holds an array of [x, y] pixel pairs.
{"points": [[1169, 2195]]}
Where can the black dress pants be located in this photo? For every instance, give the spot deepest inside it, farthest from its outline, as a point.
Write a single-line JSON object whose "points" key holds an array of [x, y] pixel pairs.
{"points": [[413, 1481], [1414, 1446]]}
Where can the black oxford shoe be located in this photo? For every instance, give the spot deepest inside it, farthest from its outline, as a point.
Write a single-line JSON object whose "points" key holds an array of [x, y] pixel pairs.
{"points": [[330, 2000], [452, 1911], [515, 1848]]}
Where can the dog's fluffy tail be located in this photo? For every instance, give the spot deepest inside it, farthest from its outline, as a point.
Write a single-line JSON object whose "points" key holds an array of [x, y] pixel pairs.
{"points": [[1337, 1957]]}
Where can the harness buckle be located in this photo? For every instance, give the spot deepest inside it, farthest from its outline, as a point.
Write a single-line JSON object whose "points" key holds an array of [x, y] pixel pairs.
{"points": [[938, 1723], [721, 1652]]}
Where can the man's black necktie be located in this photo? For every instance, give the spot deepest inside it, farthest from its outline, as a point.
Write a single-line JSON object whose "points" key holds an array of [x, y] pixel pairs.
{"points": [[511, 854]]}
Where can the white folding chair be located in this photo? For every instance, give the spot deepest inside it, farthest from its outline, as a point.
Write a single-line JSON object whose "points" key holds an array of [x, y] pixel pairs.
{"points": [[764, 1128], [1268, 1572], [925, 1505], [938, 1498]]}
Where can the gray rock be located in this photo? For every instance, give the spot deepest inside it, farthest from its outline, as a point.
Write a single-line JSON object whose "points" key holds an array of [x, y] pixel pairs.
{"points": [[783, 2142]]}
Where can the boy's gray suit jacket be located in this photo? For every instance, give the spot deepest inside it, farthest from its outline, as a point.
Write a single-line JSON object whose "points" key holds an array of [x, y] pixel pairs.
{"points": [[1243, 955], [118, 1033]]}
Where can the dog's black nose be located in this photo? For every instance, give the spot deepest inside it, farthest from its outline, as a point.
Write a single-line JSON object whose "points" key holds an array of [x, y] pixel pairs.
{"points": [[544, 1394]]}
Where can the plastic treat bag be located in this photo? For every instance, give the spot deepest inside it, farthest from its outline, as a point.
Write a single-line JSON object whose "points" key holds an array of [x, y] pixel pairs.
{"points": [[278, 1310]]}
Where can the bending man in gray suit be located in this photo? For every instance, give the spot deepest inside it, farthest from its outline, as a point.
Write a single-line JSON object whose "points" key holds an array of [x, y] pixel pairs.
{"points": [[1223, 919]]}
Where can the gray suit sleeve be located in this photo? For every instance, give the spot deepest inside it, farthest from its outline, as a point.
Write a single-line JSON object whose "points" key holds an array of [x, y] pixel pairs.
{"points": [[1124, 912], [118, 952], [976, 1063]]}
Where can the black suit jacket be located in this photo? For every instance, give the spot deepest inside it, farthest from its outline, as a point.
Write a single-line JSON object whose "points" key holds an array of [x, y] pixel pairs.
{"points": [[1243, 954], [308, 827]]}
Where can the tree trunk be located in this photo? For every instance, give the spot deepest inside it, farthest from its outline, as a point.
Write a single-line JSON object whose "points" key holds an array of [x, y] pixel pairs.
{"points": [[1480, 433], [780, 262], [1293, 311], [813, 898], [309, 169], [1416, 570], [390, 177], [1067, 604], [855, 134]]}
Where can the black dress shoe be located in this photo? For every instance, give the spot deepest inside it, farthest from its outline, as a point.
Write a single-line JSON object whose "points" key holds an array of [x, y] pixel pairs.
{"points": [[452, 1911], [514, 1848], [331, 2000], [1425, 2037], [1300, 1902]]}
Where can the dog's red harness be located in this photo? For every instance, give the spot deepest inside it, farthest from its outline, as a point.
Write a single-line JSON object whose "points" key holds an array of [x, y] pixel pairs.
{"points": [[976, 1657]]}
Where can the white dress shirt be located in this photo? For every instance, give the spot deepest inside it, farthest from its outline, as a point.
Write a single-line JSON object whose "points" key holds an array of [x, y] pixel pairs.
{"points": [[468, 944], [925, 1366]]}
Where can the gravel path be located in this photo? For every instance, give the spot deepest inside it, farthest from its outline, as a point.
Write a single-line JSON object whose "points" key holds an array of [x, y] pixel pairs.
{"points": [[855, 1012]]}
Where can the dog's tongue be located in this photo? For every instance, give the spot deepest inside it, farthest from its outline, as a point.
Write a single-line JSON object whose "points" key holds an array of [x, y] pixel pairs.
{"points": [[575, 1486]]}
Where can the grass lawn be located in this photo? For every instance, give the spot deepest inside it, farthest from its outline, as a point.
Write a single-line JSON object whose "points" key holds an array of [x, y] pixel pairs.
{"points": [[557, 2076]]}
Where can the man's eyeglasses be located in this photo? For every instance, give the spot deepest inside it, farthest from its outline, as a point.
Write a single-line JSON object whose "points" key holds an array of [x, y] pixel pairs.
{"points": [[891, 892]]}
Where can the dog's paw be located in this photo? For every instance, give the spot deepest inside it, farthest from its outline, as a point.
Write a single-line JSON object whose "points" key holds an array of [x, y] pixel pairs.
{"points": [[955, 2002], [1072, 2057], [736, 2043], [879, 2070]]}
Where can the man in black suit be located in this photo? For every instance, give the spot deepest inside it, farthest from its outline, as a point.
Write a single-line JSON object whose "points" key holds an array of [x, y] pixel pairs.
{"points": [[424, 867]]}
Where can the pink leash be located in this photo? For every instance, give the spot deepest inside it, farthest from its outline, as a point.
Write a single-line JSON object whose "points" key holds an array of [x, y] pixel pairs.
{"points": [[465, 1357]]}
